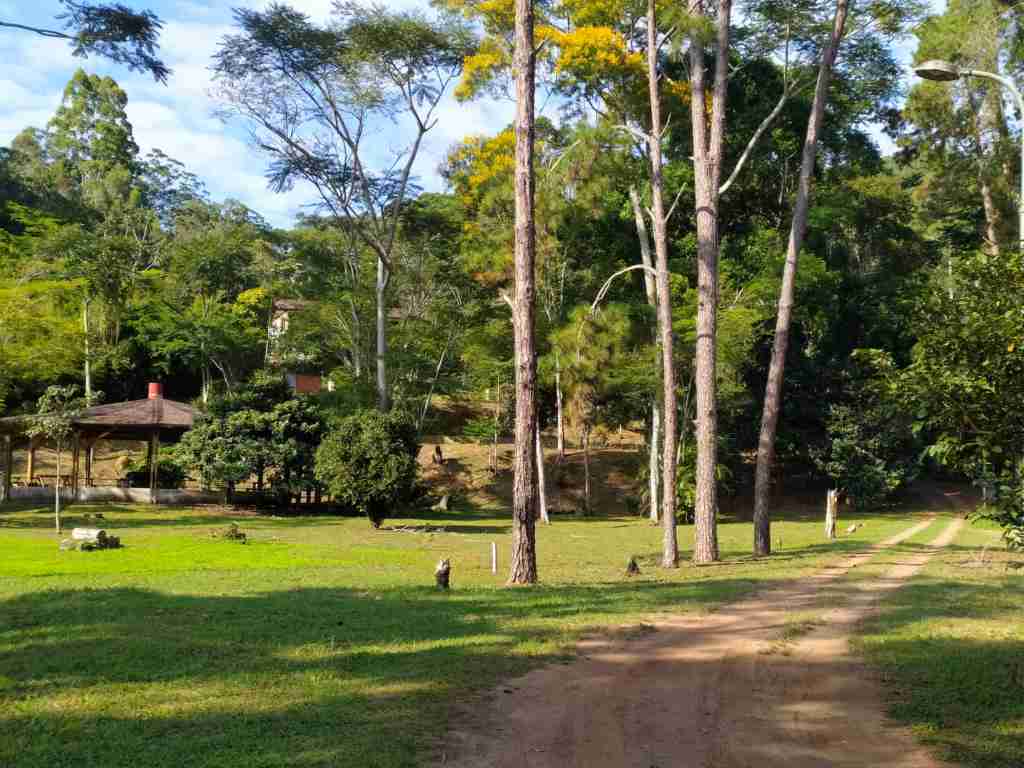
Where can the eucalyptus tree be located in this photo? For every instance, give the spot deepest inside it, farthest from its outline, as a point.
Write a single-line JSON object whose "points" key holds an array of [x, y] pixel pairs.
{"points": [[315, 98], [111, 30]]}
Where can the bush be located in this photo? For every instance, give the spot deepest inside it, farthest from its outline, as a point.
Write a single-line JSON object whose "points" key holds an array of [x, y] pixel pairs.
{"points": [[1006, 509], [368, 461], [870, 451], [480, 429], [169, 474]]}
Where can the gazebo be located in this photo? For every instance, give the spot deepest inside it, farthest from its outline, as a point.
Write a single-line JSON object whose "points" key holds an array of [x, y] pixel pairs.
{"points": [[147, 421]]}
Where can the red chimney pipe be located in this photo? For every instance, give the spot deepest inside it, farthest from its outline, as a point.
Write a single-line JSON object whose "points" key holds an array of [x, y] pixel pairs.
{"points": [[156, 390]]}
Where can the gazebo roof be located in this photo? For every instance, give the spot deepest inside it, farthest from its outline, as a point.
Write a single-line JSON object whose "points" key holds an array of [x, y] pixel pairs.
{"points": [[150, 413]]}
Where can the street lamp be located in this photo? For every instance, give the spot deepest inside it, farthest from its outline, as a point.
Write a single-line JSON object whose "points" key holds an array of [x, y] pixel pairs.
{"points": [[945, 72]]}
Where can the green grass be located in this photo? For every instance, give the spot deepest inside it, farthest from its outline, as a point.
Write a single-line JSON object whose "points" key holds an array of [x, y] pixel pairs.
{"points": [[321, 642], [950, 645]]}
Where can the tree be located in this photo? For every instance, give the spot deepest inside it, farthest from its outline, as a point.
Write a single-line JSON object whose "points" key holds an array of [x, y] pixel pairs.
{"points": [[524, 483], [959, 131], [870, 449], [670, 547], [773, 392], [52, 421], [368, 461], [592, 344], [708, 144], [313, 96], [113, 31]]}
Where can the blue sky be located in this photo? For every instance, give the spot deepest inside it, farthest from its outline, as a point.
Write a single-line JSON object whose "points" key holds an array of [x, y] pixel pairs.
{"points": [[178, 118]]}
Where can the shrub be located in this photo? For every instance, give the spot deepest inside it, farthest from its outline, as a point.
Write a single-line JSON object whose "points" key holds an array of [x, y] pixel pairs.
{"points": [[368, 461], [1007, 507], [869, 453], [480, 429], [169, 474]]}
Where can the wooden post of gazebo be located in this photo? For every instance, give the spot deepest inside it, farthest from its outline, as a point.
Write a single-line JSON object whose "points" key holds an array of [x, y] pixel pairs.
{"points": [[5, 484], [76, 454], [30, 469], [154, 465]]}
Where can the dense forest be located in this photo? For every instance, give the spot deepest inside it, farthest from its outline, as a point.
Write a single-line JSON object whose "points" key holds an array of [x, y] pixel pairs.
{"points": [[875, 298]]}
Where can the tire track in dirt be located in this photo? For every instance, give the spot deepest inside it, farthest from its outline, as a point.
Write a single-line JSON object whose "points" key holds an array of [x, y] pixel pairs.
{"points": [[729, 689]]}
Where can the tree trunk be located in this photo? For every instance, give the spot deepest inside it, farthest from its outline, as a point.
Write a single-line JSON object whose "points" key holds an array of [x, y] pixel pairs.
{"points": [[586, 470], [707, 153], [650, 284], [776, 369], [670, 547], [653, 458], [88, 353], [524, 483], [56, 495], [651, 289], [559, 400], [542, 493], [383, 395]]}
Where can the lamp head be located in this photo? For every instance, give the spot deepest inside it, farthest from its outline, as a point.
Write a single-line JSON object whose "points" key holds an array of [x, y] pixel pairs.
{"points": [[939, 70]]}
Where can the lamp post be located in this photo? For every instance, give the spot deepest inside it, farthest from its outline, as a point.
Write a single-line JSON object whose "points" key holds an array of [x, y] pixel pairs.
{"points": [[944, 71]]}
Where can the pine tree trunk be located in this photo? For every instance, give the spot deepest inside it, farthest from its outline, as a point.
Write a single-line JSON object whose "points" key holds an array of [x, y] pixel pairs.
{"points": [[383, 394], [708, 143], [524, 483], [669, 544], [777, 367]]}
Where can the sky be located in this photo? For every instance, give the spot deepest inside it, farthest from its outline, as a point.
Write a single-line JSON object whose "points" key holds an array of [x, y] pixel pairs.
{"points": [[179, 118]]}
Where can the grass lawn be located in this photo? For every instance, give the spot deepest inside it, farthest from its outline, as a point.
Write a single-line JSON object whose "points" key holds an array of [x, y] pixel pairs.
{"points": [[321, 642], [950, 645]]}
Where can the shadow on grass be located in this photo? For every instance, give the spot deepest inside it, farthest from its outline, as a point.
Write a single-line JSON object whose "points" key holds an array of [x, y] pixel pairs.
{"points": [[302, 677], [962, 694]]}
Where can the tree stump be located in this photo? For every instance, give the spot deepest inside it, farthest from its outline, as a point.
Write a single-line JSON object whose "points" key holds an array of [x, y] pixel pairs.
{"points": [[831, 512], [95, 535], [443, 572]]}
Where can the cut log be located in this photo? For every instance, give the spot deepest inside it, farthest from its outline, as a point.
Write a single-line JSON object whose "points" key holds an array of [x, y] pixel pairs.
{"points": [[88, 534]]}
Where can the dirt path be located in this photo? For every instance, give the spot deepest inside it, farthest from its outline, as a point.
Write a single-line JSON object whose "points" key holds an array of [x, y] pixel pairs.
{"points": [[766, 682]]}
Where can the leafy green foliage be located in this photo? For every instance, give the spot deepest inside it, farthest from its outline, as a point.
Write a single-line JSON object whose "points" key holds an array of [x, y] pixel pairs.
{"points": [[368, 462], [1005, 507], [869, 453], [261, 430]]}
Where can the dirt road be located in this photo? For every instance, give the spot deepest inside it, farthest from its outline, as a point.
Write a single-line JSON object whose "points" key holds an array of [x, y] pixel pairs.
{"points": [[766, 682]]}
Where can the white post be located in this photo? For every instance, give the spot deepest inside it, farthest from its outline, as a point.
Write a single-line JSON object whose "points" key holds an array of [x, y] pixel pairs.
{"points": [[494, 557], [831, 511]]}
